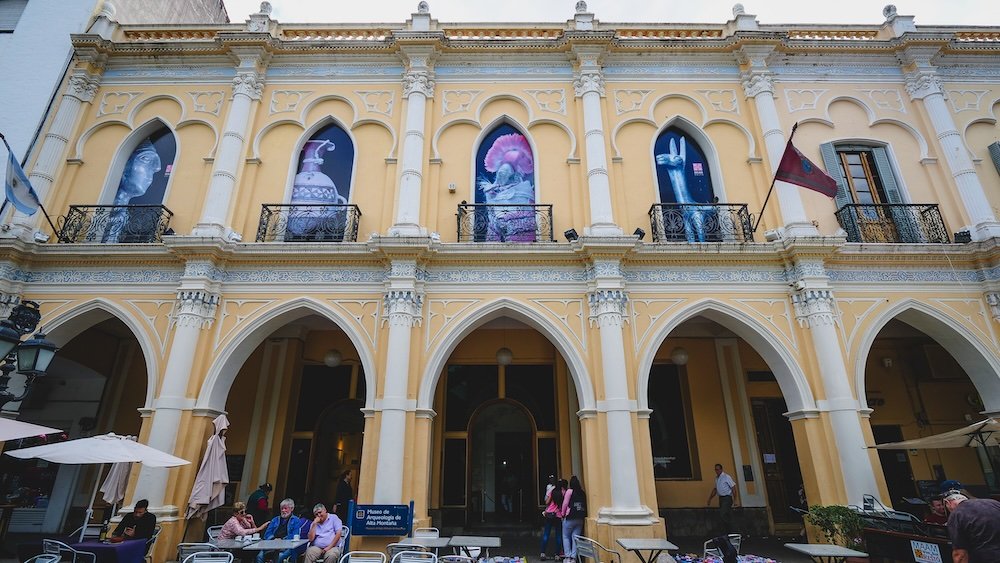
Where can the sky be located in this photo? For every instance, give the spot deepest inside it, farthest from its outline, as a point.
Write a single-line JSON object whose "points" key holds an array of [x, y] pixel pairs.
{"points": [[927, 12]]}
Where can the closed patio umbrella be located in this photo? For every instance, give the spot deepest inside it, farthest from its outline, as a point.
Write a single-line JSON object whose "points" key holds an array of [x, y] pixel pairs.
{"points": [[113, 487], [209, 489], [106, 448], [13, 429]]}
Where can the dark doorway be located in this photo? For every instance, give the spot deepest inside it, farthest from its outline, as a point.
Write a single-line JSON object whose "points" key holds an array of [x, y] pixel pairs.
{"points": [[782, 476], [514, 483], [895, 464]]}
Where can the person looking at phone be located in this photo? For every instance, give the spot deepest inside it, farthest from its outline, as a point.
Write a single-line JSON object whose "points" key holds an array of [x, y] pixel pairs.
{"points": [[136, 525]]}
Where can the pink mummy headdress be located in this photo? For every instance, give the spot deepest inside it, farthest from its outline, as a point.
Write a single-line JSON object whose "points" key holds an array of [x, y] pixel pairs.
{"points": [[512, 149]]}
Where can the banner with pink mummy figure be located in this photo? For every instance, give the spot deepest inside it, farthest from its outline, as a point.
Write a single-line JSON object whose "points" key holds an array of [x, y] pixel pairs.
{"points": [[505, 181]]}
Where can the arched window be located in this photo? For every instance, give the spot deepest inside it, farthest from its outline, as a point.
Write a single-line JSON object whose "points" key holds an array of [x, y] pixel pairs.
{"points": [[682, 172], [325, 166], [147, 170], [505, 187]]}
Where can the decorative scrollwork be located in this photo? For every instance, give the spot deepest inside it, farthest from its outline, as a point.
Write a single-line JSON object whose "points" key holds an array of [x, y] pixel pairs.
{"points": [[308, 223], [129, 224], [484, 222], [704, 222], [895, 222]]}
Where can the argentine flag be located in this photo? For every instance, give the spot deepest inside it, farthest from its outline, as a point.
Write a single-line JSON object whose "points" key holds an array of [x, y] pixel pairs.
{"points": [[19, 191]]}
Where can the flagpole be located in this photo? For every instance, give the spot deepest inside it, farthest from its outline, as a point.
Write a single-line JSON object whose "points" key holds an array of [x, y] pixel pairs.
{"points": [[55, 231], [773, 179]]}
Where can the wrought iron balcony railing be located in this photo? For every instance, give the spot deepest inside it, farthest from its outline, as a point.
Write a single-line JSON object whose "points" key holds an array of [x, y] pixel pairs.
{"points": [[114, 223], [491, 222], [700, 222], [894, 222], [295, 222]]}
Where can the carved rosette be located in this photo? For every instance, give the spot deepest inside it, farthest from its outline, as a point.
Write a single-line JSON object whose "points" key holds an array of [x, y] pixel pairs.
{"points": [[993, 300], [419, 81], [756, 82], [814, 307], [83, 86], [403, 307], [249, 84], [195, 308], [608, 307], [587, 81], [923, 83]]}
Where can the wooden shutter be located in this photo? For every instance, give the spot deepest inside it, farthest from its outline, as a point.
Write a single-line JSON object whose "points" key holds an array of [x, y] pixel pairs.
{"points": [[885, 174], [995, 155], [10, 12], [832, 163]]}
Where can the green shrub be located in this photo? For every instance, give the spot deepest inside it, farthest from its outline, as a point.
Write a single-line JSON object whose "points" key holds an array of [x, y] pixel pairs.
{"points": [[840, 524]]}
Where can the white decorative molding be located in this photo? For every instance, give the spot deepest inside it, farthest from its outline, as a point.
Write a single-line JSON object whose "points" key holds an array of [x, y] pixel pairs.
{"points": [[421, 81], [570, 313], [115, 102], [249, 84], [550, 100], [234, 308], [973, 313], [454, 101], [756, 82], [777, 314], [195, 308], [721, 100], [630, 100], [365, 312], [443, 308], [922, 83], [993, 300], [814, 307], [285, 101], [853, 312], [608, 307], [152, 310], [803, 99], [587, 81], [7, 303], [208, 101], [886, 98], [378, 101], [83, 86], [966, 100], [402, 307], [653, 310]]}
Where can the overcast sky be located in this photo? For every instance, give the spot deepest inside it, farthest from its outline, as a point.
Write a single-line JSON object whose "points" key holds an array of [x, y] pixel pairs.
{"points": [[927, 12]]}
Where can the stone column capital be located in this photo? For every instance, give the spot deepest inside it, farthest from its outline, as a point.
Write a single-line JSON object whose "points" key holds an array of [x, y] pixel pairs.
{"points": [[608, 307], [756, 82], [586, 81], [814, 307], [923, 83], [195, 308], [83, 85], [403, 307], [993, 300], [419, 80]]}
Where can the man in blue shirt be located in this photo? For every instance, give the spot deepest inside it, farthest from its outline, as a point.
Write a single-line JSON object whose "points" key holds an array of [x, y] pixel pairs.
{"points": [[324, 536], [285, 526]]}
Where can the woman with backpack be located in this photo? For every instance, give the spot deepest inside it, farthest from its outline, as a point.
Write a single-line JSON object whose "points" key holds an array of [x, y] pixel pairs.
{"points": [[574, 510]]}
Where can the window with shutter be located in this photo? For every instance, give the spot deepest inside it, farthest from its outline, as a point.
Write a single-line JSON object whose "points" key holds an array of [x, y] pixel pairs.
{"points": [[10, 12]]}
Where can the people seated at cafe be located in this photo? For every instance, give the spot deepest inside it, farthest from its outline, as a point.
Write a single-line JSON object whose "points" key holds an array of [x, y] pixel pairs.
{"points": [[138, 524], [324, 536], [285, 525], [240, 524], [938, 515]]}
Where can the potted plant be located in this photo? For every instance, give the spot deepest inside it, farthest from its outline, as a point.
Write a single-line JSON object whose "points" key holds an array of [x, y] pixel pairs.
{"points": [[839, 524]]}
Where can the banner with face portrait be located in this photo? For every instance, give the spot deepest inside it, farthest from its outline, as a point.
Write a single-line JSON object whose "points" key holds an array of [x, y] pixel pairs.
{"points": [[505, 180], [147, 170]]}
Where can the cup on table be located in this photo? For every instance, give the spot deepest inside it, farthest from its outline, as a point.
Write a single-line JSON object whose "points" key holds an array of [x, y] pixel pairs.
{"points": [[296, 537]]}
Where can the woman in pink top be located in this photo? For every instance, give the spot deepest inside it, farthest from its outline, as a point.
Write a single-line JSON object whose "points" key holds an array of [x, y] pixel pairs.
{"points": [[241, 524], [551, 514]]}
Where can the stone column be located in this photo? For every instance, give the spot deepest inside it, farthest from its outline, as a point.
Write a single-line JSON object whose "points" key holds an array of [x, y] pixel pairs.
{"points": [[608, 301], [758, 83], [247, 86], [402, 305], [815, 310], [589, 85], [418, 86], [84, 80], [923, 83], [194, 311]]}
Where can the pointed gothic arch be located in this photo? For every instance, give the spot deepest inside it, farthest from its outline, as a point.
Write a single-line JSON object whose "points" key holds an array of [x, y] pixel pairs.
{"points": [[142, 169]]}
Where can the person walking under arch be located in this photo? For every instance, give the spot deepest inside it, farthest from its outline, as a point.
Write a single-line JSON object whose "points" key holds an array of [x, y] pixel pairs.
{"points": [[574, 510]]}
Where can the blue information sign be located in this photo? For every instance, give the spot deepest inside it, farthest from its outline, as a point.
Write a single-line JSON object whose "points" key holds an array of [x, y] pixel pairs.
{"points": [[381, 519]]}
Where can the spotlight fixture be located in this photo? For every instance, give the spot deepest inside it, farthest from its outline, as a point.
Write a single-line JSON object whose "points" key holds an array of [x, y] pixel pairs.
{"points": [[679, 356], [638, 232], [571, 235], [505, 356]]}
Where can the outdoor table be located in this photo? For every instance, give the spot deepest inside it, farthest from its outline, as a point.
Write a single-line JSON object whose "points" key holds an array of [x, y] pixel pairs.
{"points": [[825, 553], [237, 547], [465, 542], [655, 546], [275, 545], [428, 542], [128, 551]]}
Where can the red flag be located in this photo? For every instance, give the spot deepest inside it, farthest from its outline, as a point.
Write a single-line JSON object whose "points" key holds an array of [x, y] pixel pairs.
{"points": [[796, 169]]}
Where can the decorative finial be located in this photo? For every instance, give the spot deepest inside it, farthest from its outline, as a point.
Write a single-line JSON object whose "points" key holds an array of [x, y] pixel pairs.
{"points": [[108, 10], [265, 8], [423, 8], [889, 11], [738, 10], [581, 7]]}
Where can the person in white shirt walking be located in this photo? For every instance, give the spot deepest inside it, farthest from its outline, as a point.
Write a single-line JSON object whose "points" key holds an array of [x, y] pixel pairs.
{"points": [[725, 488]]}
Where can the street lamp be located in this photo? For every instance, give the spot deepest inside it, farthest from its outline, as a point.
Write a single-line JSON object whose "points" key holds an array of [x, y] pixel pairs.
{"points": [[31, 357]]}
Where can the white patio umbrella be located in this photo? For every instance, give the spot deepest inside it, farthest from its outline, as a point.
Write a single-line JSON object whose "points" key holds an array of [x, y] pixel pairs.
{"points": [[209, 489], [13, 429], [106, 448], [983, 433]]}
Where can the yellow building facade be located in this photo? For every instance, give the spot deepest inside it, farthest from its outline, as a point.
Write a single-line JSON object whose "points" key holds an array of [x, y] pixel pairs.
{"points": [[452, 259]]}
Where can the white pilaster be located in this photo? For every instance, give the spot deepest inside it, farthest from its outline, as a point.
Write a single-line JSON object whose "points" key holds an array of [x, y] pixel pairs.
{"points": [[402, 306], [758, 83], [194, 311], [418, 86], [589, 85], [247, 86], [923, 83], [814, 308]]}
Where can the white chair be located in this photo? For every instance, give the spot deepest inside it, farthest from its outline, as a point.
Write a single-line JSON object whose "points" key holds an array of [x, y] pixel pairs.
{"points": [[734, 539], [186, 549], [394, 548], [455, 559], [363, 557], [152, 541], [414, 556], [213, 532], [209, 557], [44, 558], [590, 549], [427, 533], [67, 553]]}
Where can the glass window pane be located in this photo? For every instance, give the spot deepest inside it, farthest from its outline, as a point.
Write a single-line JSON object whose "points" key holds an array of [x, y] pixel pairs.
{"points": [[853, 158], [534, 387], [861, 185], [453, 472], [858, 171], [865, 198], [467, 388], [668, 432]]}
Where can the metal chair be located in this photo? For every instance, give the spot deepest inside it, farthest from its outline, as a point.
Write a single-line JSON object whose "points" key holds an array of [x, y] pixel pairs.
{"points": [[209, 557], [90, 531], [150, 542], [393, 549], [66, 553], [44, 558], [213, 532], [414, 556], [735, 540], [427, 533], [590, 549], [455, 559], [363, 557], [186, 549]]}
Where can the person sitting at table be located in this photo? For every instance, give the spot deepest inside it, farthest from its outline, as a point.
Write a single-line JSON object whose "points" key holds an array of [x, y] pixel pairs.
{"points": [[938, 514], [324, 536], [285, 526], [138, 524], [241, 524]]}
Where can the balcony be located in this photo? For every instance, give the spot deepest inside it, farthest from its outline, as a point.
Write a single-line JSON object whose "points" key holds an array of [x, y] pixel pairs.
{"points": [[700, 222], [490, 222], [308, 223], [894, 223], [128, 224]]}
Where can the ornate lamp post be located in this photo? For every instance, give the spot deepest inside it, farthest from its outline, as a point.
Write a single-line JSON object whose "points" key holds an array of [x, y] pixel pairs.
{"points": [[31, 357]]}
